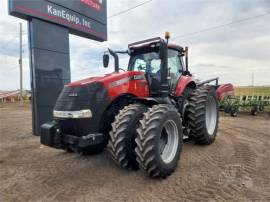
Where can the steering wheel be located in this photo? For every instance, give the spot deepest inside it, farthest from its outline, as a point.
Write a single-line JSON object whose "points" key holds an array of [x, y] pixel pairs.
{"points": [[141, 68]]}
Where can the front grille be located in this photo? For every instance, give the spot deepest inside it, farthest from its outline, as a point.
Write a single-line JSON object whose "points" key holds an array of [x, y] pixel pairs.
{"points": [[93, 96]]}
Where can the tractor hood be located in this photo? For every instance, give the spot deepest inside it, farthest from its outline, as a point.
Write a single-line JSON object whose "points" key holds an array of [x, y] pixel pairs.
{"points": [[93, 95], [106, 79]]}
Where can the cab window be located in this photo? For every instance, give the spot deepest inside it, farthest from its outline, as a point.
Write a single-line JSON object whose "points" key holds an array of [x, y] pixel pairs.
{"points": [[148, 62], [139, 65], [174, 63], [175, 66], [155, 65]]}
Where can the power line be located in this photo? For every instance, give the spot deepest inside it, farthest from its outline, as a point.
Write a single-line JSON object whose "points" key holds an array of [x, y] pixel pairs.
{"points": [[220, 26], [129, 9]]}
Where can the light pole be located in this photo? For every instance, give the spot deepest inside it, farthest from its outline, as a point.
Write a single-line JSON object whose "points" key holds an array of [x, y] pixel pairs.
{"points": [[20, 63]]}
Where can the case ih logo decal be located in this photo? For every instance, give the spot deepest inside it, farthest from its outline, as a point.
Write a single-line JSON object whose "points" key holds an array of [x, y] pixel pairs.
{"points": [[96, 4], [73, 95], [120, 82], [126, 80]]}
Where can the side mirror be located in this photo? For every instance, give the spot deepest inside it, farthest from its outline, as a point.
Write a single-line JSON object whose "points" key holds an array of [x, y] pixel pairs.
{"points": [[106, 59]]}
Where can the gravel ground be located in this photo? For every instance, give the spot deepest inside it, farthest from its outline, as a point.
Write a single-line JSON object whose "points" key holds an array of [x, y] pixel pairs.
{"points": [[234, 168]]}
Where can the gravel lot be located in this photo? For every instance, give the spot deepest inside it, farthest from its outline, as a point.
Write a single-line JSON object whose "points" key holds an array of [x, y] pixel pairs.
{"points": [[236, 167]]}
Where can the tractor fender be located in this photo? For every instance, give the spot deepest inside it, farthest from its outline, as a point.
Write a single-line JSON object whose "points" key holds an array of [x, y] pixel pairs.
{"points": [[153, 101], [148, 101], [224, 91], [183, 83]]}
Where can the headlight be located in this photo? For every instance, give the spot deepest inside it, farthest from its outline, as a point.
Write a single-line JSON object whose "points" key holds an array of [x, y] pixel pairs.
{"points": [[86, 113]]}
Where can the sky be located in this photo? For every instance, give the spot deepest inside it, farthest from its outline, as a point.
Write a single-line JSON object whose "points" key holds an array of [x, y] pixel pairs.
{"points": [[231, 53]]}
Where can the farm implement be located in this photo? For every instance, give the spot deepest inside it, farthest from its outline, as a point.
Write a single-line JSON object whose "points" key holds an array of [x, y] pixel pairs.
{"points": [[253, 103]]}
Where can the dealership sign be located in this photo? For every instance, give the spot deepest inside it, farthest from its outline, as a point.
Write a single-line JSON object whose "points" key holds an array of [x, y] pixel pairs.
{"points": [[86, 18]]}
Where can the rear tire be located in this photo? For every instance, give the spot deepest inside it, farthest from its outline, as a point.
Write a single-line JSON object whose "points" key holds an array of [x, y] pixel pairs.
{"points": [[227, 110], [159, 141], [203, 115], [261, 108], [122, 136], [234, 112]]}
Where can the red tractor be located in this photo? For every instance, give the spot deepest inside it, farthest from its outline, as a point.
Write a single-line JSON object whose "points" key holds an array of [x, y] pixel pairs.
{"points": [[142, 113]]}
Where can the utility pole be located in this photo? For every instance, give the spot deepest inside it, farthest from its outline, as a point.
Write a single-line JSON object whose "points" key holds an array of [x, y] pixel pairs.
{"points": [[20, 63], [252, 79]]}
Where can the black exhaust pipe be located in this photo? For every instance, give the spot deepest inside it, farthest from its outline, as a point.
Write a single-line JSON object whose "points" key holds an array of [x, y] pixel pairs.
{"points": [[116, 60], [164, 83]]}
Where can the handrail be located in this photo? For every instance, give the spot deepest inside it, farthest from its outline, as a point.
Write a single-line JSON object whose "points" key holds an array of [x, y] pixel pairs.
{"points": [[208, 81]]}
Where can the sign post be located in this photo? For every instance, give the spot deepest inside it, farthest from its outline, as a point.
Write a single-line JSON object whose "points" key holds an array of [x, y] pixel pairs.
{"points": [[50, 22]]}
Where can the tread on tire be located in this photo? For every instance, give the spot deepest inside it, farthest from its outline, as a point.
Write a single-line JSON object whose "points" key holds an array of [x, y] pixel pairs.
{"points": [[197, 115], [148, 138], [122, 136]]}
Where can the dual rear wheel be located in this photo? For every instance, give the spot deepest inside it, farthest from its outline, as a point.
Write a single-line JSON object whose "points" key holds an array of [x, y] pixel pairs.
{"points": [[122, 136], [159, 141], [151, 138]]}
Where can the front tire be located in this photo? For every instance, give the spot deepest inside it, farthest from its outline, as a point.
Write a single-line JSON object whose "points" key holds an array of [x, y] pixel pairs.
{"points": [[159, 141], [254, 110], [122, 136], [203, 115]]}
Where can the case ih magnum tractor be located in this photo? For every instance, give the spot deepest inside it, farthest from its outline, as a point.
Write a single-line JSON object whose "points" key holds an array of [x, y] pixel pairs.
{"points": [[142, 113]]}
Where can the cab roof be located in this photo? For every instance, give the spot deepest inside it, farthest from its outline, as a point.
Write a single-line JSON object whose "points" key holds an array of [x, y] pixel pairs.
{"points": [[152, 41], [176, 47]]}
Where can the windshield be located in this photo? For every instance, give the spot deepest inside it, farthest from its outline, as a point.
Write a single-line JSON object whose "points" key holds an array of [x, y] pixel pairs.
{"points": [[150, 62], [147, 62]]}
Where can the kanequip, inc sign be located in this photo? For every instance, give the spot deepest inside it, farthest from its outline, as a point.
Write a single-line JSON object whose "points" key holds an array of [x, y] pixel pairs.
{"points": [[86, 18], [50, 23], [68, 16]]}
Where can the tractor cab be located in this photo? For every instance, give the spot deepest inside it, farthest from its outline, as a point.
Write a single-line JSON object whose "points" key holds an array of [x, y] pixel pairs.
{"points": [[152, 60], [162, 63]]}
